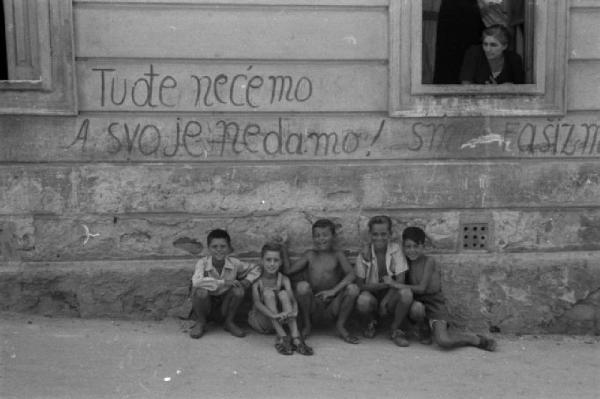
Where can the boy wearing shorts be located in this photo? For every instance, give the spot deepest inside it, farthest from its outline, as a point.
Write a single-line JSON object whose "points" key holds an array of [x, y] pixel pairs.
{"points": [[219, 285], [328, 291]]}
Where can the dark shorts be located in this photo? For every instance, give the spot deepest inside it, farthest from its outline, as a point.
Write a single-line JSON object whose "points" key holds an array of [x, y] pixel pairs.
{"points": [[435, 306]]}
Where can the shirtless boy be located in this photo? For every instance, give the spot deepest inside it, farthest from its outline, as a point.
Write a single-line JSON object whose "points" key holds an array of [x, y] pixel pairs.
{"points": [[329, 290]]}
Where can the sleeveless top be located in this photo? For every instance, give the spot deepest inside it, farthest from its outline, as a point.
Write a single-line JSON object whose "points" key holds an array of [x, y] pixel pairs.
{"points": [[276, 289]]}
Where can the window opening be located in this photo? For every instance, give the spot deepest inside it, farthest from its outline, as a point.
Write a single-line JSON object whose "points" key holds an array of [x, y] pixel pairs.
{"points": [[452, 47]]}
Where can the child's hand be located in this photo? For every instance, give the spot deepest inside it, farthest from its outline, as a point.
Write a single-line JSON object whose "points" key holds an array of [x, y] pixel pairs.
{"points": [[325, 295], [281, 317], [237, 284], [366, 252]]}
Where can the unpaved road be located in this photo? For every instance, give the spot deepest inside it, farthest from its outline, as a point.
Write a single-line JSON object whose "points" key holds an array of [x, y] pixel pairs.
{"points": [[72, 358]]}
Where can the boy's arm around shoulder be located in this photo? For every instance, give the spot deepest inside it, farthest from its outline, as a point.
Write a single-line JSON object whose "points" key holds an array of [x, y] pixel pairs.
{"points": [[349, 275], [247, 272], [429, 269], [298, 265]]}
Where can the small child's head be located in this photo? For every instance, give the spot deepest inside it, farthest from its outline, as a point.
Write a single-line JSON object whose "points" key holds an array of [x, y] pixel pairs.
{"points": [[218, 243], [380, 231], [272, 257], [323, 232], [413, 241]]}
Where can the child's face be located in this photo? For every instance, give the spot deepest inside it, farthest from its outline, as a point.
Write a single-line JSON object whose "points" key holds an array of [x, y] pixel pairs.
{"points": [[218, 248], [380, 235], [412, 250], [271, 261], [322, 238]]}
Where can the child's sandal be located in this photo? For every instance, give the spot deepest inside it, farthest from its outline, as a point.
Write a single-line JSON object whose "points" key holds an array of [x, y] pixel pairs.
{"points": [[302, 348], [486, 343], [283, 346]]}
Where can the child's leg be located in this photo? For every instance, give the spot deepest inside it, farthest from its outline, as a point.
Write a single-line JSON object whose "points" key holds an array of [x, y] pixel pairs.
{"points": [[347, 301], [304, 295], [231, 303], [400, 301], [271, 303], [300, 346], [446, 340], [366, 306], [417, 314], [200, 309]]}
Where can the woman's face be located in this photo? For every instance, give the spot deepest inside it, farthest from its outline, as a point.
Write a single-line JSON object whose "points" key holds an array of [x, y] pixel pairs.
{"points": [[492, 47]]}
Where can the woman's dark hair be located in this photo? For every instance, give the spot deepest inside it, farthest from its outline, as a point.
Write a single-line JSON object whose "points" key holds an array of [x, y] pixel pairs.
{"points": [[380, 219], [272, 246], [324, 223], [498, 31], [218, 233], [415, 234]]}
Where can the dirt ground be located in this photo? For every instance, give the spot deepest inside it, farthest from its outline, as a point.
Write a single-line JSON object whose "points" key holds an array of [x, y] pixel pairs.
{"points": [[45, 357]]}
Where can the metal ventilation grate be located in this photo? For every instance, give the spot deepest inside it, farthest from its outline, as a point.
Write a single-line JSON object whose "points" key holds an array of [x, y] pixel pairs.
{"points": [[475, 235]]}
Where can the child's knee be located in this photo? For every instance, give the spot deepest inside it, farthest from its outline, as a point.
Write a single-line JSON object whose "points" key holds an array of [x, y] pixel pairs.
{"points": [[238, 292], [417, 311], [405, 295], [283, 297], [303, 288], [352, 290], [365, 303]]}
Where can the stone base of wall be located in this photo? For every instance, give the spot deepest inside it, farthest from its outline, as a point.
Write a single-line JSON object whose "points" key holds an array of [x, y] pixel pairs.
{"points": [[509, 293]]}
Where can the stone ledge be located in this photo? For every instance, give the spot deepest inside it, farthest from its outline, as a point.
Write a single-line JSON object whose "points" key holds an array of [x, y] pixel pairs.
{"points": [[512, 293]]}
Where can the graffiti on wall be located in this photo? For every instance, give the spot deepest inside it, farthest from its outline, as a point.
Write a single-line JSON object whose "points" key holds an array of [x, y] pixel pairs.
{"points": [[286, 137], [198, 138], [246, 88], [155, 90]]}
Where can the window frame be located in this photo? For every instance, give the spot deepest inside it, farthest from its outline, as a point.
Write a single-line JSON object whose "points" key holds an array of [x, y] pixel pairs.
{"points": [[39, 44], [411, 98]]}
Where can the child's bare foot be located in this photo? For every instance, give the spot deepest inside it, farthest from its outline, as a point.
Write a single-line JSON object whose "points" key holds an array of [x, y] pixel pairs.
{"points": [[399, 338], [197, 330], [346, 336], [371, 329], [234, 329]]}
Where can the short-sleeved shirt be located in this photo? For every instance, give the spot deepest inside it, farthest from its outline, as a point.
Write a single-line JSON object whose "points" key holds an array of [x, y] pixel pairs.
{"points": [[233, 269], [395, 263]]}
